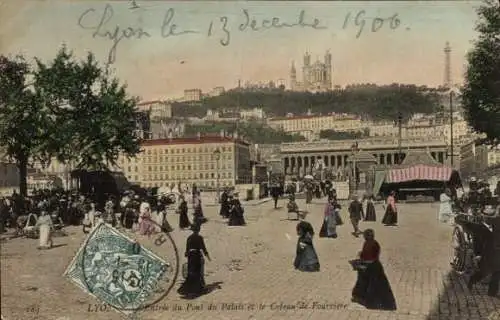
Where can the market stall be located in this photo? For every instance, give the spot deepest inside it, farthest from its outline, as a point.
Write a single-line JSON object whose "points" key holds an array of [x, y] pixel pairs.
{"points": [[419, 175]]}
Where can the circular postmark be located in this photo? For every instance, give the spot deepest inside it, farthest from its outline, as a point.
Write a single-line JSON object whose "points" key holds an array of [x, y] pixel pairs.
{"points": [[129, 272]]}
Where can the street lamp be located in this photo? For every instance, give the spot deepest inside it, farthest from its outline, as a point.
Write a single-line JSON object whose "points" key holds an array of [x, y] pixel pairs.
{"points": [[354, 149], [217, 158], [269, 172]]}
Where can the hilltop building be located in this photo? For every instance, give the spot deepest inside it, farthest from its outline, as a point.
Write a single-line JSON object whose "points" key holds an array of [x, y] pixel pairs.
{"points": [[316, 77]]}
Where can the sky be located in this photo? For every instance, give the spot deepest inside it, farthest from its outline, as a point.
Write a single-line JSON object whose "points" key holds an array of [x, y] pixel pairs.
{"points": [[406, 46]]}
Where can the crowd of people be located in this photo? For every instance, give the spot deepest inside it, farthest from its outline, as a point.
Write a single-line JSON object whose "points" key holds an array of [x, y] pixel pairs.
{"points": [[372, 288], [478, 202], [147, 214]]}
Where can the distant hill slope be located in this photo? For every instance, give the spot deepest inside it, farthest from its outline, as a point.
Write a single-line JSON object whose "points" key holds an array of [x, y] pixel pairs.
{"points": [[370, 101]]}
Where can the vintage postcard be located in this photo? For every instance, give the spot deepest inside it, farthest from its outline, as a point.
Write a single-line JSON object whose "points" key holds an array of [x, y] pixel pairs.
{"points": [[249, 159]]}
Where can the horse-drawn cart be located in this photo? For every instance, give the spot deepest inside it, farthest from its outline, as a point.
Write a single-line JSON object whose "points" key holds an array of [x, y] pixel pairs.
{"points": [[470, 232]]}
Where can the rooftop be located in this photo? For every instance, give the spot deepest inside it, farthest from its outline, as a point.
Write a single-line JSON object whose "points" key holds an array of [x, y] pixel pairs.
{"points": [[336, 116], [143, 103], [194, 140]]}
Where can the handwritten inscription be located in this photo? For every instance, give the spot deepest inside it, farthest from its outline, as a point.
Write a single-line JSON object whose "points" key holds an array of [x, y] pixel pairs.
{"points": [[113, 33], [360, 21], [222, 28]]}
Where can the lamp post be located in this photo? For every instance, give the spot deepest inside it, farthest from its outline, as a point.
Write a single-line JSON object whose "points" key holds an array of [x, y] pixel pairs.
{"points": [[217, 157], [354, 149], [269, 172], [452, 151]]}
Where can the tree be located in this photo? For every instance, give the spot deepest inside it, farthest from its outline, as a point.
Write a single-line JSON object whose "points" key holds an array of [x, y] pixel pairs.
{"points": [[481, 91], [25, 123], [100, 118], [72, 110]]}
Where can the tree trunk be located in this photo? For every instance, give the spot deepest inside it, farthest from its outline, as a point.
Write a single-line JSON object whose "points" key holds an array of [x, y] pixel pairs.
{"points": [[22, 163]]}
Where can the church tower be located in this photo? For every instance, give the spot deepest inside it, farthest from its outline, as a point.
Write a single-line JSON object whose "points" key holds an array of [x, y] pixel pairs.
{"points": [[293, 77], [306, 70], [329, 69]]}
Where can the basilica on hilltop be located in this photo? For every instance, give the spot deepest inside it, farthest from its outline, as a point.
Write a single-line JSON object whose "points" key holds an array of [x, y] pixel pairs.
{"points": [[316, 77]]}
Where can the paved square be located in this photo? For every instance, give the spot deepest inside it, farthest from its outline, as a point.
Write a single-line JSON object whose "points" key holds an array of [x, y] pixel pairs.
{"points": [[253, 266]]}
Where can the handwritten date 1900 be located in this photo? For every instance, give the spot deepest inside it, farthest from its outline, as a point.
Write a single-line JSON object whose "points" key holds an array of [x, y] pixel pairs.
{"points": [[360, 21]]}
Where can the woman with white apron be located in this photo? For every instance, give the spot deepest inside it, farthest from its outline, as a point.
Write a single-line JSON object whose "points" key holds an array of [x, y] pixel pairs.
{"points": [[44, 225]]}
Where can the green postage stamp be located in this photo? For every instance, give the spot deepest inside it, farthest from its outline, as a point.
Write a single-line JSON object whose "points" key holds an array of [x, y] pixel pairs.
{"points": [[117, 270]]}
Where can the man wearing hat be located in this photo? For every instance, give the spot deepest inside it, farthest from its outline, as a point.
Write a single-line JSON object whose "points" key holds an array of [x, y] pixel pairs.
{"points": [[356, 214]]}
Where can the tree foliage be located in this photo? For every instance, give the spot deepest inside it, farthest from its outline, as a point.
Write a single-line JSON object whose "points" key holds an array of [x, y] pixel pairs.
{"points": [[68, 109], [25, 130], [371, 101], [255, 132], [481, 92]]}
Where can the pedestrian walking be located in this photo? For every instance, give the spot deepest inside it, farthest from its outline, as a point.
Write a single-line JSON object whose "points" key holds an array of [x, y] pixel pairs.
{"points": [[356, 214]]}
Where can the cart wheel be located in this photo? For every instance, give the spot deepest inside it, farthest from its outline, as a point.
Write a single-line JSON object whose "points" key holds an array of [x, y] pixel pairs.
{"points": [[459, 250]]}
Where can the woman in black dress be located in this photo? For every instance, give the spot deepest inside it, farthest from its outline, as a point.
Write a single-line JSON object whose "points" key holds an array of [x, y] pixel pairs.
{"points": [[236, 212], [183, 213], [224, 204], [370, 210], [391, 212], [306, 258], [372, 288], [195, 254]]}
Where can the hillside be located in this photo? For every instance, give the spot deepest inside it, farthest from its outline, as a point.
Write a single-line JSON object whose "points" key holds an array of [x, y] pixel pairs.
{"points": [[254, 132], [370, 101]]}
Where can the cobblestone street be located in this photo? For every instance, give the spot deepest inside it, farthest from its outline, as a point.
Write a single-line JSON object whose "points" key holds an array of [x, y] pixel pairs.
{"points": [[253, 266]]}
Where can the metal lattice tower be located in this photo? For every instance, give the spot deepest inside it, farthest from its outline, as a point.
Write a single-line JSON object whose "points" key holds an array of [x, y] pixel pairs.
{"points": [[447, 65]]}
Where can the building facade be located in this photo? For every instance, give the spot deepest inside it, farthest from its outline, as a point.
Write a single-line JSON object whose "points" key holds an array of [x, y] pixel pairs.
{"points": [[421, 129], [316, 77], [163, 162], [300, 158], [476, 158], [192, 95], [9, 177], [314, 124]]}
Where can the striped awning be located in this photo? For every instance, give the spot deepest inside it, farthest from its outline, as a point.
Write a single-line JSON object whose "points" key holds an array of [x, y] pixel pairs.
{"points": [[419, 172]]}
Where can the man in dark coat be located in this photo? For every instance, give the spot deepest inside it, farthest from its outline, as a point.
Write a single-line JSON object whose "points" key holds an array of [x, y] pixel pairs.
{"points": [[275, 193], [356, 214]]}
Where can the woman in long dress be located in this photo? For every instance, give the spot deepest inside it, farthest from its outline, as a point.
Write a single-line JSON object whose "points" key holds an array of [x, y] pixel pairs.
{"points": [[146, 226], [44, 225], [198, 216], [445, 206], [196, 251], [183, 213], [370, 214], [329, 227], [306, 258], [391, 212], [372, 288], [236, 211]]}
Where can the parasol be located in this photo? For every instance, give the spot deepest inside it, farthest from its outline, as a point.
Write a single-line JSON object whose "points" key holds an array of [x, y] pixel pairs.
{"points": [[309, 177]]}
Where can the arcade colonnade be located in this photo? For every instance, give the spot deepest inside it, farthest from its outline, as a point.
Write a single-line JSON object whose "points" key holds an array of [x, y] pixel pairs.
{"points": [[303, 164]]}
